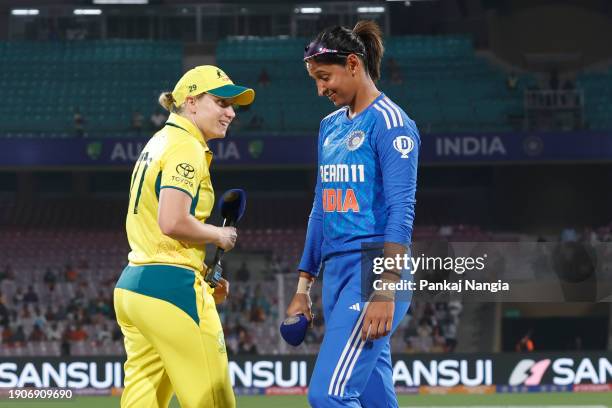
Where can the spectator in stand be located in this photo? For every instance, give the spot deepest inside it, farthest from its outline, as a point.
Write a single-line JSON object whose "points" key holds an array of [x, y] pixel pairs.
{"points": [[19, 337], [54, 332], [424, 332], [137, 122], [70, 273], [512, 81], [450, 334], [79, 123], [99, 308], [13, 315], [82, 317], [454, 309], [37, 335], [50, 278], [117, 335], [77, 333], [18, 297], [231, 339], [525, 344], [77, 302], [65, 346], [4, 313], [39, 318], [264, 78], [439, 342], [243, 274], [246, 345], [257, 314], [25, 316], [103, 335], [53, 314], [7, 335], [7, 273], [105, 306], [157, 119], [30, 296]]}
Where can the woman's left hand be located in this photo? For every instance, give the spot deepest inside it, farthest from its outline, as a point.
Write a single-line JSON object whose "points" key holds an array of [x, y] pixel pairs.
{"points": [[378, 319], [221, 291]]}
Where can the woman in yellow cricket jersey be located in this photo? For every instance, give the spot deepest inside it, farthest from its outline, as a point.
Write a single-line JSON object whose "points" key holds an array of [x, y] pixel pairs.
{"points": [[173, 335]]}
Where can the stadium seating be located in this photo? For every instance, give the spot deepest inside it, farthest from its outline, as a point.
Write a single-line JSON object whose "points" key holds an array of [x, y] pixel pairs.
{"points": [[439, 81], [86, 264], [86, 254], [597, 87], [107, 81]]}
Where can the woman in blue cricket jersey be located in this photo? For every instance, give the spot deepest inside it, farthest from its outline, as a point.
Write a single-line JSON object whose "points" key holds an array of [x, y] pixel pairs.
{"points": [[364, 198]]}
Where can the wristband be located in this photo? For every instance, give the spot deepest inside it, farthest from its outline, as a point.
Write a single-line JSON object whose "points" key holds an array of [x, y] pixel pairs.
{"points": [[304, 285]]}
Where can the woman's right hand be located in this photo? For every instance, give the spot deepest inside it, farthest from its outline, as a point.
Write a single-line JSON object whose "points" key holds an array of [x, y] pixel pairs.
{"points": [[300, 304], [226, 238]]}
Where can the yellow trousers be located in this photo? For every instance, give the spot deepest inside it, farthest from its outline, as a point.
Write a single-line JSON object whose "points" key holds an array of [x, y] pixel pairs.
{"points": [[173, 339]]}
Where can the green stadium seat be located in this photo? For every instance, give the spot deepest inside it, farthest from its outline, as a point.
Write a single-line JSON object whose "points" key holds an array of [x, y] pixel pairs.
{"points": [[443, 83], [102, 78]]}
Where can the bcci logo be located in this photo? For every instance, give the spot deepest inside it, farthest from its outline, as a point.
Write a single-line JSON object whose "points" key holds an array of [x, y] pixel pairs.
{"points": [[186, 170], [533, 145], [292, 320], [354, 140], [404, 145]]}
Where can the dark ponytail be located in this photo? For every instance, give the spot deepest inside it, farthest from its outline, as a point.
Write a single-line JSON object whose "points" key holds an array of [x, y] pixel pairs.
{"points": [[365, 41], [370, 35]]}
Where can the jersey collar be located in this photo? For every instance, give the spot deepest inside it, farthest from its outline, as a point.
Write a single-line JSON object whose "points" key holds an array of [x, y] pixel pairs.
{"points": [[346, 119], [180, 122]]}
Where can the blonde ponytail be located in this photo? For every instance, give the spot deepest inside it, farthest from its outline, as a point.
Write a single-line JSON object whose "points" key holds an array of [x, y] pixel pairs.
{"points": [[167, 101]]}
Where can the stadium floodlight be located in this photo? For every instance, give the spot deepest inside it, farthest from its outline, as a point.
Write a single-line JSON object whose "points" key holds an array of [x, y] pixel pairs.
{"points": [[370, 9], [25, 12], [115, 2], [309, 10], [87, 12]]}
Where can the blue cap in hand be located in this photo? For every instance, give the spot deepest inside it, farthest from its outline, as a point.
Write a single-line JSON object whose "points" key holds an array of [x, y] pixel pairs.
{"points": [[293, 329]]}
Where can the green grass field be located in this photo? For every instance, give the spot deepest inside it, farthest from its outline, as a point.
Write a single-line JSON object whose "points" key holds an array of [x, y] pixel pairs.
{"points": [[499, 400]]}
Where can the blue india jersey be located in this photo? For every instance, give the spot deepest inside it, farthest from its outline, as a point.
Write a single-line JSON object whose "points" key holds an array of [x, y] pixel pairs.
{"points": [[366, 183]]}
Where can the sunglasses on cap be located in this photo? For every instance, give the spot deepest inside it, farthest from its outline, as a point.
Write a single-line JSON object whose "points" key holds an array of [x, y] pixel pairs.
{"points": [[314, 49]]}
